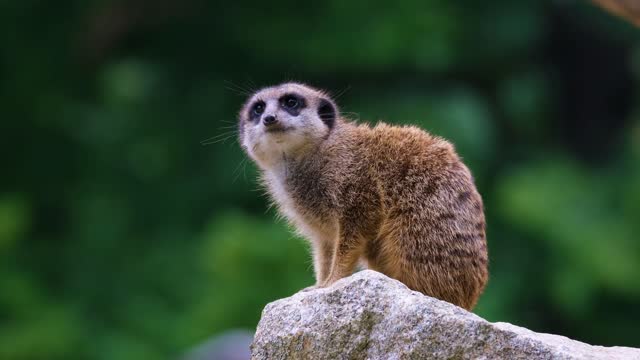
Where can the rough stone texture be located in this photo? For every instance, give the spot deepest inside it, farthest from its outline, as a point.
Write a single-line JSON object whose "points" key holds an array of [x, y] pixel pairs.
{"points": [[370, 316]]}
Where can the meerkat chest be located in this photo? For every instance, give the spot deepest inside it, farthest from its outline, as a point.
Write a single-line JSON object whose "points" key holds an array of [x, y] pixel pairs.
{"points": [[310, 224], [282, 197], [303, 203]]}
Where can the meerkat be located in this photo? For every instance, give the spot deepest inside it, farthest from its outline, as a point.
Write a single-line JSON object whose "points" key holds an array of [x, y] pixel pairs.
{"points": [[396, 198]]}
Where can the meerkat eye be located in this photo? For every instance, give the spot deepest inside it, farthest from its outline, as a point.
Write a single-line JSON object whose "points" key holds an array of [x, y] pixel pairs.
{"points": [[290, 102], [258, 108]]}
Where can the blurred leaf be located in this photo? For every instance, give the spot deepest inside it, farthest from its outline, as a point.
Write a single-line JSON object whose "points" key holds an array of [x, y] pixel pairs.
{"points": [[568, 210], [251, 262], [35, 327], [128, 82], [14, 220], [525, 99]]}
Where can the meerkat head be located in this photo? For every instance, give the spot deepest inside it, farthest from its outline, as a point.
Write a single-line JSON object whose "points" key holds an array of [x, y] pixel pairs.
{"points": [[285, 121]]}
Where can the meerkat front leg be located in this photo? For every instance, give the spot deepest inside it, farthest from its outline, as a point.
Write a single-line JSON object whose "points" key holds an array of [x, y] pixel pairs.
{"points": [[346, 254], [322, 256], [322, 245]]}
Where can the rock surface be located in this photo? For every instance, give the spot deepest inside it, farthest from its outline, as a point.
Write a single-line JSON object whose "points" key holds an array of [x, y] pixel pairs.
{"points": [[370, 316]]}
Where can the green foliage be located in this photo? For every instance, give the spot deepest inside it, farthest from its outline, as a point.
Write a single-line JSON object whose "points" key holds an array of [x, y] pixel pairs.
{"points": [[234, 246], [122, 237], [580, 242], [13, 220]]}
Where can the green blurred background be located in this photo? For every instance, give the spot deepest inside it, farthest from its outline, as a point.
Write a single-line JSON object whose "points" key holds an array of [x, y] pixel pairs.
{"points": [[123, 237]]}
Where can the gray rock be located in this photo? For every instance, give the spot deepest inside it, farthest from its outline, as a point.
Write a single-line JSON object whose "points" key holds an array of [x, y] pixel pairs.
{"points": [[370, 316]]}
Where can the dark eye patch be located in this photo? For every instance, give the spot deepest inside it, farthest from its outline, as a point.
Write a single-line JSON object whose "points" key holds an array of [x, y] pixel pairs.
{"points": [[327, 112], [292, 103], [256, 110]]}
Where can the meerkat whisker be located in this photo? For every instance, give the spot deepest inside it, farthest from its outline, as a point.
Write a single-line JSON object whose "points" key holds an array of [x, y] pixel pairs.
{"points": [[252, 85], [238, 89], [237, 169], [214, 139], [228, 127], [340, 93], [221, 140]]}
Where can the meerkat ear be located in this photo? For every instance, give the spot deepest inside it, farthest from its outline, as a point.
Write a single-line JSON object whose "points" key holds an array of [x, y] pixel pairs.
{"points": [[327, 112]]}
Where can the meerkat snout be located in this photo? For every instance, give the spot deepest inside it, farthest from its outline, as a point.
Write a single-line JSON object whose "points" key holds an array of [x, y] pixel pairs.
{"points": [[397, 198], [269, 120]]}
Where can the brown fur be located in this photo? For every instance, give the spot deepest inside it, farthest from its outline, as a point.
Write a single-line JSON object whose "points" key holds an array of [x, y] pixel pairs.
{"points": [[396, 197]]}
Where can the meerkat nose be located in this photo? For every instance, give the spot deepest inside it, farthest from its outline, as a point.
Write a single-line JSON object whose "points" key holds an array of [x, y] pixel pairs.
{"points": [[269, 120]]}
